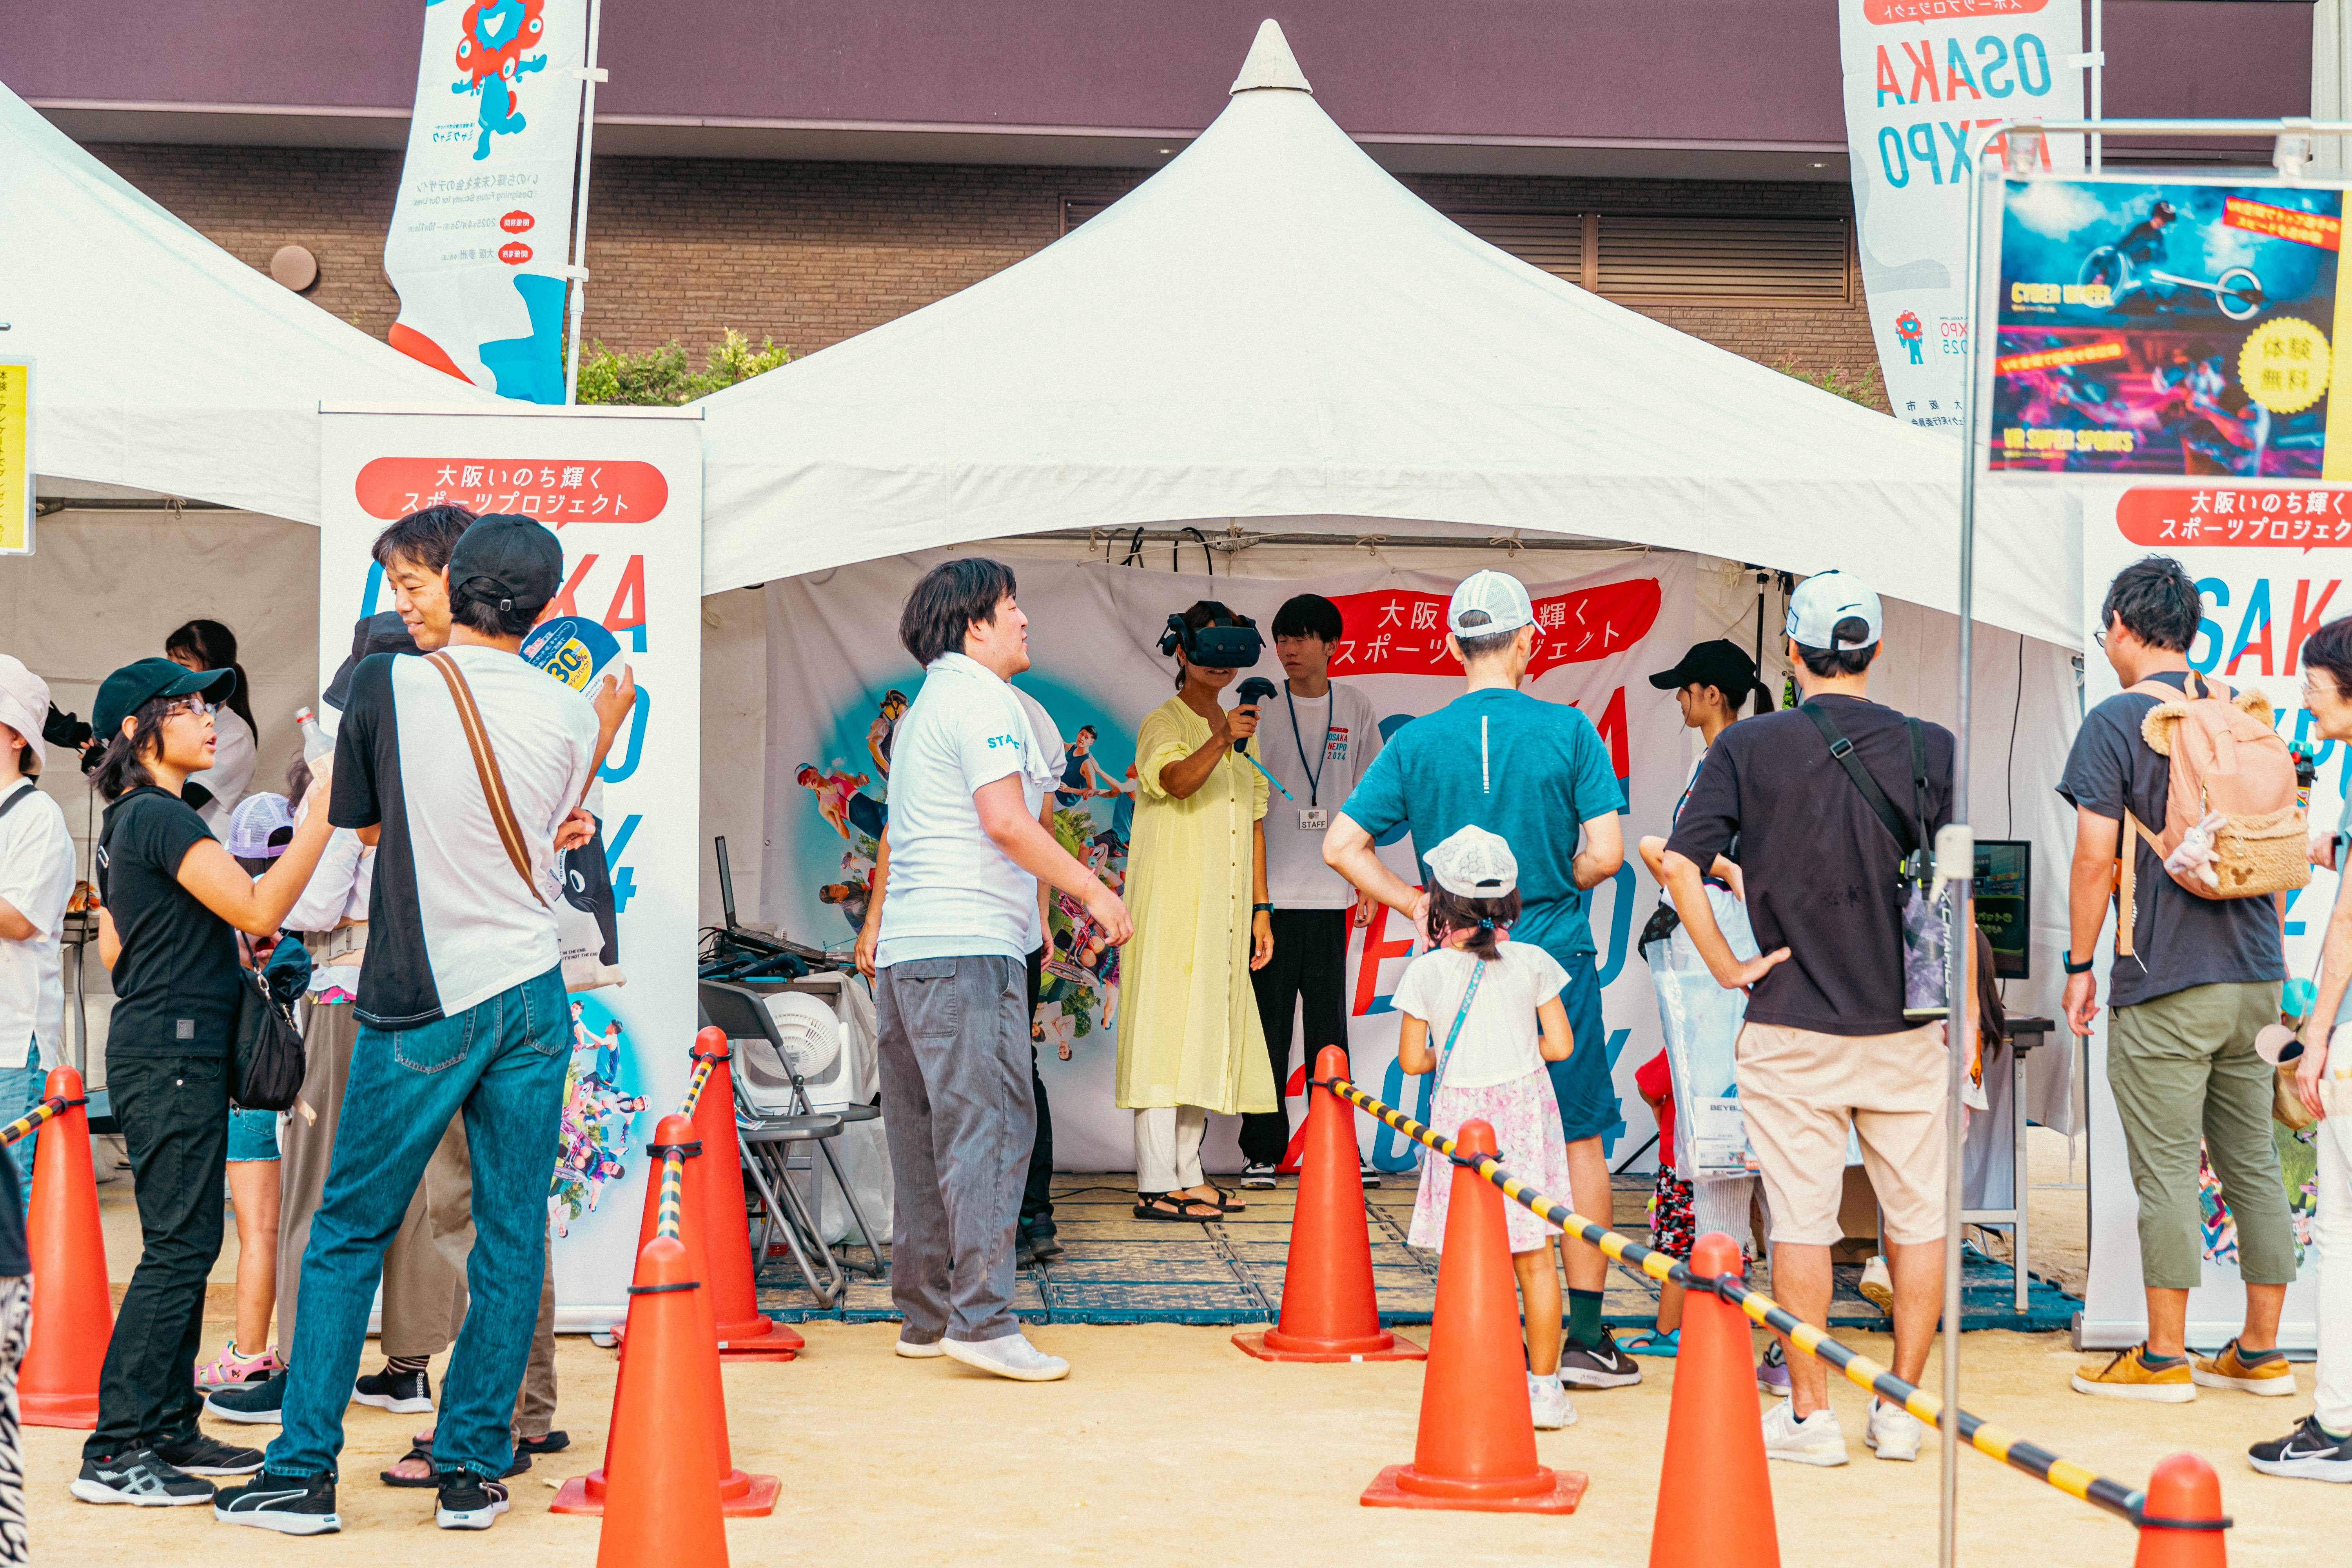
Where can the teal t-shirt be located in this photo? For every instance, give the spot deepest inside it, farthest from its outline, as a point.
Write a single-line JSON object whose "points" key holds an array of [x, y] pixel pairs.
{"points": [[1514, 766]]}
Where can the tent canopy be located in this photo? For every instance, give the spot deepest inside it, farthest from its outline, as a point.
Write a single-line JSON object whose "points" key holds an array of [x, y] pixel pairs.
{"points": [[1272, 326], [163, 362]]}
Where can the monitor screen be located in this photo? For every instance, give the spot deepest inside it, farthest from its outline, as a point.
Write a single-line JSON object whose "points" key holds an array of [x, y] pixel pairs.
{"points": [[2004, 894]]}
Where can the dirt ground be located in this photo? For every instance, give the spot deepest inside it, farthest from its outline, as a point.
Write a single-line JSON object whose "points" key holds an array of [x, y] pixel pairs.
{"points": [[1167, 1445]]}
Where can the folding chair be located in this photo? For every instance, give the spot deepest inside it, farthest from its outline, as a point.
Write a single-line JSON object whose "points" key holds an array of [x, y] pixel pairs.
{"points": [[769, 1121]]}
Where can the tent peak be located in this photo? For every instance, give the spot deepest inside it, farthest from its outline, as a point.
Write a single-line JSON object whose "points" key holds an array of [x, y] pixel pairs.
{"points": [[1270, 62]]}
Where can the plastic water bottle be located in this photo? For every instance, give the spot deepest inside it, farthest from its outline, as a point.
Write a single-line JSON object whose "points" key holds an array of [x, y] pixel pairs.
{"points": [[315, 741]]}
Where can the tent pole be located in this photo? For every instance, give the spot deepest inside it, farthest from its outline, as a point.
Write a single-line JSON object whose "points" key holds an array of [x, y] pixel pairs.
{"points": [[590, 76]]}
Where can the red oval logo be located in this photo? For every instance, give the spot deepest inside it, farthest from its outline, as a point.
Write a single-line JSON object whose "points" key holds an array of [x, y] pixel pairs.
{"points": [[515, 253], [556, 490], [517, 221]]}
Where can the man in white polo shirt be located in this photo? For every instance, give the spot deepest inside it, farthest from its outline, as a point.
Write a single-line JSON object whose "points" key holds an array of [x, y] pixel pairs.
{"points": [[968, 776], [37, 877]]}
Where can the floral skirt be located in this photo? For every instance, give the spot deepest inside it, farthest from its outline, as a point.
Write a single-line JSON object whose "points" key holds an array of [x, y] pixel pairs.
{"points": [[1525, 1119]]}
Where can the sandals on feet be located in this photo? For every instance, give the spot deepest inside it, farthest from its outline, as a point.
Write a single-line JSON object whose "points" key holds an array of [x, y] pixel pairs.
{"points": [[1175, 1208], [391, 1478]]}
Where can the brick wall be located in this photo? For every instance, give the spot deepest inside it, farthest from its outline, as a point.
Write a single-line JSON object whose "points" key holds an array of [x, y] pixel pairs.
{"points": [[810, 253]]}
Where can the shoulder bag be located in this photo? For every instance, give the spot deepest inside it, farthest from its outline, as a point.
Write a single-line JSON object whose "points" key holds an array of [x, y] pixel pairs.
{"points": [[1926, 913], [266, 1066]]}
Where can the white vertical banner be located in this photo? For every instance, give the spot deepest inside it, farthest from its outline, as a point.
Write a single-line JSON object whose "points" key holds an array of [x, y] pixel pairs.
{"points": [[1920, 76], [623, 489], [482, 226], [2267, 582]]}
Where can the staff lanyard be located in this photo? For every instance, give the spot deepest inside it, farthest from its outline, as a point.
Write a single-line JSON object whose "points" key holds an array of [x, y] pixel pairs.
{"points": [[1314, 771]]}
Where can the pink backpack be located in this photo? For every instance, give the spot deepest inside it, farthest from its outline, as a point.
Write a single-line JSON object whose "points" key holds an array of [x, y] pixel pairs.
{"points": [[2226, 757]]}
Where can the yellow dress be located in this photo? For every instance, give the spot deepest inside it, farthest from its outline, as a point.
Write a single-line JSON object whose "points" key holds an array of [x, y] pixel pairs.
{"points": [[1188, 1023]]}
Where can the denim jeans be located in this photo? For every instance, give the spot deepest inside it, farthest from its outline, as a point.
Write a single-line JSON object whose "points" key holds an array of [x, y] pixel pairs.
{"points": [[20, 1091], [502, 1064]]}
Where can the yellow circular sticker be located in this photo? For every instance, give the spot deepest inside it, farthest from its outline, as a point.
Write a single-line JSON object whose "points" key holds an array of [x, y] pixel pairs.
{"points": [[2283, 365]]}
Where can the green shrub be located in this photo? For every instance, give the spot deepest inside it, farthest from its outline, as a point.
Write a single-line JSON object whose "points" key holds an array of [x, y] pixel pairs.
{"points": [[663, 375], [1865, 389]]}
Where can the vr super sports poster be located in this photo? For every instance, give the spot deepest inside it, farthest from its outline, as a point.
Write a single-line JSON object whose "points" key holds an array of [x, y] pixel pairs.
{"points": [[2184, 328]]}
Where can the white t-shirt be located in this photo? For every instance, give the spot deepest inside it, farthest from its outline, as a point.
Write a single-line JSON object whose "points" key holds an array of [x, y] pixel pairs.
{"points": [[451, 921], [37, 877], [1500, 1039], [952, 893], [1057, 757], [230, 778], [1318, 759]]}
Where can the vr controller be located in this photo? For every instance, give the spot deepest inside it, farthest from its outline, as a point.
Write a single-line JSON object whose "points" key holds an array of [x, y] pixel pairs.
{"points": [[1235, 644]]}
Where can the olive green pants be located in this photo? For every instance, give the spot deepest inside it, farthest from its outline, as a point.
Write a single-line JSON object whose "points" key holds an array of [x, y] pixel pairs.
{"points": [[2183, 1067]]}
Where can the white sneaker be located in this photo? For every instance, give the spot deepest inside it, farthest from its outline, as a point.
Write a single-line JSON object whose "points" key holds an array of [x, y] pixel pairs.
{"points": [[1815, 1440], [913, 1352], [1257, 1173], [1878, 1286], [1548, 1402], [1011, 1355], [1893, 1432]]}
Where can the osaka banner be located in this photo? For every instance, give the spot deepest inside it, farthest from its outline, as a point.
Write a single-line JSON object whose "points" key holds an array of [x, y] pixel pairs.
{"points": [[15, 457], [838, 681], [1920, 75], [2271, 563], [623, 492], [2186, 327], [481, 230]]}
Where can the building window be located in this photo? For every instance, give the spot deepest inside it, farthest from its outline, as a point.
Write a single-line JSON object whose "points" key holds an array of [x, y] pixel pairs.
{"points": [[1076, 210], [1661, 257]]}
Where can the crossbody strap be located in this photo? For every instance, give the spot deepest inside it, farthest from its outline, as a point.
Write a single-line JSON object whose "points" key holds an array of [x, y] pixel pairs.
{"points": [[1477, 972], [1918, 780], [1842, 749], [10, 804], [486, 768]]}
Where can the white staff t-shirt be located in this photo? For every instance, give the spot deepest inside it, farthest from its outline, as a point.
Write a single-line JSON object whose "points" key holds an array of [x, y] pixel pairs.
{"points": [[1318, 759], [37, 877], [952, 893]]}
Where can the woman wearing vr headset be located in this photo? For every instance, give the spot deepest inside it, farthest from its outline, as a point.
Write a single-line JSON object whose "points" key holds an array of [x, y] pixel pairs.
{"points": [[1189, 1036]]}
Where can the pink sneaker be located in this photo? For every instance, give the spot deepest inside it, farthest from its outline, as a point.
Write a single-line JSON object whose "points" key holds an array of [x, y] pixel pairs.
{"points": [[230, 1370]]}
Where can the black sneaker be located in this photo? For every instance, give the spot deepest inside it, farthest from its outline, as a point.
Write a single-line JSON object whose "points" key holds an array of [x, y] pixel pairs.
{"points": [[203, 1456], [142, 1479], [404, 1393], [1367, 1171], [1599, 1366], [2307, 1454], [254, 1404], [1257, 1173], [291, 1505], [468, 1501], [1045, 1247]]}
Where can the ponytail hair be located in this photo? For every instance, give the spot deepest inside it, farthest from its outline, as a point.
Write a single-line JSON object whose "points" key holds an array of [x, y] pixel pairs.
{"points": [[1763, 698], [214, 646], [1484, 918]]}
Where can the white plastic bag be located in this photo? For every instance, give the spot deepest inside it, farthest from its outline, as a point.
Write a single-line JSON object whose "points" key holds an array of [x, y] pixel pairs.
{"points": [[1701, 1019]]}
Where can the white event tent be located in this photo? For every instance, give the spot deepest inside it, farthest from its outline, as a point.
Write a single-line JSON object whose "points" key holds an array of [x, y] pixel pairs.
{"points": [[1273, 326]]}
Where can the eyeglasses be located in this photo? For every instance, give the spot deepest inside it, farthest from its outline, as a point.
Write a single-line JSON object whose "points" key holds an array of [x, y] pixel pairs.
{"points": [[2312, 688], [2100, 638], [196, 705]]}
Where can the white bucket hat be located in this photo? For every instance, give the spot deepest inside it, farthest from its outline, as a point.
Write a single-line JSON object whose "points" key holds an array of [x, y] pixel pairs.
{"points": [[1474, 864], [25, 708]]}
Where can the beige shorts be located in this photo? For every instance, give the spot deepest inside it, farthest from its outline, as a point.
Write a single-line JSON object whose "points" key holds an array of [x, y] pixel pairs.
{"points": [[1799, 1088]]}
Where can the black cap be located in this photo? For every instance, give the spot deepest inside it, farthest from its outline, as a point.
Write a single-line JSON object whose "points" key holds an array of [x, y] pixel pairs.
{"points": [[1723, 665], [384, 632], [134, 686], [520, 555]]}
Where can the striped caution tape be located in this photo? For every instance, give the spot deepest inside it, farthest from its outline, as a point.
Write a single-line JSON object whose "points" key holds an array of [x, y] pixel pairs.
{"points": [[2074, 1480], [57, 1105]]}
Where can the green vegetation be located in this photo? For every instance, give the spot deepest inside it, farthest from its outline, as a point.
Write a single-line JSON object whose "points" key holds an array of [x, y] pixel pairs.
{"points": [[663, 375], [1866, 389]]}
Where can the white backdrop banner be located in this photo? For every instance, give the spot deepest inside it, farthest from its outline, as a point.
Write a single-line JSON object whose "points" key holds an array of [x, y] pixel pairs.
{"points": [[481, 229], [2264, 595], [838, 679], [1920, 75], [623, 492]]}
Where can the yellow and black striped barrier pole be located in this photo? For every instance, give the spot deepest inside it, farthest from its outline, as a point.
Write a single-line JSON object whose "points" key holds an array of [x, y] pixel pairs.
{"points": [[702, 1068], [57, 1105], [2122, 1501], [668, 1216]]}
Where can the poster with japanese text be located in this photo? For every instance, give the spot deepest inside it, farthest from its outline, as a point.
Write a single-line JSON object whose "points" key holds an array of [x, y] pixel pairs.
{"points": [[481, 228], [16, 487], [2270, 563], [623, 490], [1920, 76], [838, 683], [2177, 327]]}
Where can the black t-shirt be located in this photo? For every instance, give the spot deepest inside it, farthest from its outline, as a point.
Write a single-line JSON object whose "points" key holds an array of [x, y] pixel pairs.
{"points": [[2179, 940], [1821, 868], [175, 986], [14, 1259]]}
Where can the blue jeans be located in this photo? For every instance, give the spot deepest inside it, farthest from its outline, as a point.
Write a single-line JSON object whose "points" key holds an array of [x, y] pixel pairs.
{"points": [[502, 1063], [20, 1091]]}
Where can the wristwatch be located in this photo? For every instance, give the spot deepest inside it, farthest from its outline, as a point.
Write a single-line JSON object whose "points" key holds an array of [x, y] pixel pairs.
{"points": [[1261, 909], [2074, 968]]}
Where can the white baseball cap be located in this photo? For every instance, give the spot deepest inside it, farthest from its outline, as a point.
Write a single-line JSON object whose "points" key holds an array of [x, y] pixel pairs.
{"points": [[1474, 864], [1824, 599], [1503, 598], [25, 708]]}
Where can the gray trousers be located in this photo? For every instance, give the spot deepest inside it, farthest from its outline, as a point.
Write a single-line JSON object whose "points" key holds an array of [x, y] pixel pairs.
{"points": [[960, 1114]]}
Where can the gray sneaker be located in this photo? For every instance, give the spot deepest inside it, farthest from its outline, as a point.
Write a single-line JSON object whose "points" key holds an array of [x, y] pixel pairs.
{"points": [[141, 1479], [1010, 1356]]}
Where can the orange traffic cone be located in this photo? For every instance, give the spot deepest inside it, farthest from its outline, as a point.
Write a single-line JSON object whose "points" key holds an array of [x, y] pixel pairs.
{"points": [[1715, 1501], [2181, 1524], [1476, 1447], [1328, 1310], [741, 1495], [73, 1312], [663, 1499], [744, 1335]]}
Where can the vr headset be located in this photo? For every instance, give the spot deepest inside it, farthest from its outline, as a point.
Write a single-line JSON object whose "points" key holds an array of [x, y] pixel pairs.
{"points": [[1230, 642]]}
